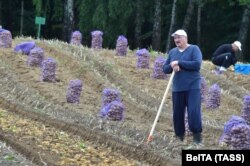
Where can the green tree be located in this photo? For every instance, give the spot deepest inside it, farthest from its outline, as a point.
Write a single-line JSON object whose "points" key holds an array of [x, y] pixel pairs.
{"points": [[86, 12], [38, 5], [139, 19], [119, 15], [56, 19], [189, 14]]}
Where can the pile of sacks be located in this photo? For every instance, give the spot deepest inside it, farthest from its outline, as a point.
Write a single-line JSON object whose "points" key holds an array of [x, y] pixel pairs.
{"points": [[35, 53], [112, 107]]}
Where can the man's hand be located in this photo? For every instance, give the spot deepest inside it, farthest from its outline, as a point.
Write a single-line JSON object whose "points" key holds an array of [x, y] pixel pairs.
{"points": [[173, 64], [176, 68]]}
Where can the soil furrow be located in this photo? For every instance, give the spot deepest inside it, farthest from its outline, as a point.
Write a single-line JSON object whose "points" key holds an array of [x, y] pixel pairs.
{"points": [[136, 152]]}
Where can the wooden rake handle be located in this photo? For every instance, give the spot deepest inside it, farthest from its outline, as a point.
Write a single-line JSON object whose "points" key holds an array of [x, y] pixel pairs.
{"points": [[150, 137]]}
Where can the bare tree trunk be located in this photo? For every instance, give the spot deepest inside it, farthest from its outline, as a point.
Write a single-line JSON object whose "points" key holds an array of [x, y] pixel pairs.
{"points": [[189, 14], [68, 19], [244, 28], [21, 19], [138, 22], [173, 16], [156, 38], [199, 22]]}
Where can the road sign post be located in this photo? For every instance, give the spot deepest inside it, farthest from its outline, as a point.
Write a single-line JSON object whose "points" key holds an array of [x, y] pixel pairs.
{"points": [[40, 21]]}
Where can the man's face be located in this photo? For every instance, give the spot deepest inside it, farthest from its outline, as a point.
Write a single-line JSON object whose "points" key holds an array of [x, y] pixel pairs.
{"points": [[180, 41]]}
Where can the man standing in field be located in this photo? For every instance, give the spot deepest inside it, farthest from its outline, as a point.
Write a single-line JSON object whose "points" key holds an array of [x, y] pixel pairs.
{"points": [[185, 60]]}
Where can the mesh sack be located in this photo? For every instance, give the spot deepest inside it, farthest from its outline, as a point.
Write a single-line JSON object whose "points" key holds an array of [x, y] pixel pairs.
{"points": [[158, 68], [48, 69], [74, 91], [214, 95], [76, 38], [121, 46], [245, 112], [5, 39], [143, 58], [25, 47], [114, 111], [35, 57], [234, 121], [108, 96], [1, 30], [240, 137], [96, 41]]}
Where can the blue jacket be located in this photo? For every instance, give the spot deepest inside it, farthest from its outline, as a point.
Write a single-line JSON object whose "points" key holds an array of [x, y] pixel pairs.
{"points": [[190, 63]]}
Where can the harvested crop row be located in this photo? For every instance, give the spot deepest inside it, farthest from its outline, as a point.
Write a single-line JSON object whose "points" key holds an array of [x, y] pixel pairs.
{"points": [[63, 148]]}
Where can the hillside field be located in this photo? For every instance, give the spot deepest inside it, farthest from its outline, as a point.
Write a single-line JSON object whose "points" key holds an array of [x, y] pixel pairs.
{"points": [[37, 121]]}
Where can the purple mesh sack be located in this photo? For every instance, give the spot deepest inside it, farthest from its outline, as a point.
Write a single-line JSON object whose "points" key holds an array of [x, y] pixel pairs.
{"points": [[204, 89], [245, 112], [143, 58], [121, 46], [25, 47], [104, 110], [1, 30], [48, 69], [213, 99], [108, 96], [240, 137], [35, 57], [158, 68], [113, 111], [76, 38], [5, 39], [96, 41], [74, 91], [234, 121]]}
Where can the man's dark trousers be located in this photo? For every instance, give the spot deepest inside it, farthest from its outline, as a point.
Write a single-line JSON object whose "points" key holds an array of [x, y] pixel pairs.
{"points": [[190, 101], [225, 60]]}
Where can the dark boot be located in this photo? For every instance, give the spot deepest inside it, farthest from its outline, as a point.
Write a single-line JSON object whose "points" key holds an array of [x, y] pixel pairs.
{"points": [[197, 138], [181, 138]]}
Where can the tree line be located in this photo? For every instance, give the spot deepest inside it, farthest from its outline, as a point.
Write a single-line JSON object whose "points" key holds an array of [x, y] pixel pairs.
{"points": [[145, 23]]}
